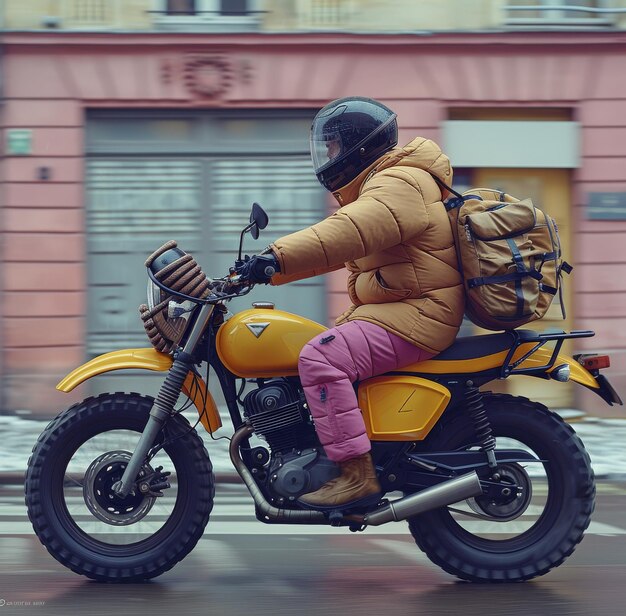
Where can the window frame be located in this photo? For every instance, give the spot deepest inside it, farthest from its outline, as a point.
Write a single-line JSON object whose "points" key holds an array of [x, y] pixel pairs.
{"points": [[207, 14], [555, 17]]}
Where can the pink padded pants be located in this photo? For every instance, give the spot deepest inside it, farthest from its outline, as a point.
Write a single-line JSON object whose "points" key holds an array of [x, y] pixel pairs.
{"points": [[328, 366]]}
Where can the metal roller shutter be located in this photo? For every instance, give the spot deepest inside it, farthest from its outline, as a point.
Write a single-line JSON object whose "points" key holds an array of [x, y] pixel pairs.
{"points": [[290, 194], [133, 206], [143, 190]]}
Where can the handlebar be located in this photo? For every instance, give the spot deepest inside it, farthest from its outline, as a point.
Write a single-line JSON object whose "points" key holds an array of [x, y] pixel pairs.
{"points": [[227, 283]]}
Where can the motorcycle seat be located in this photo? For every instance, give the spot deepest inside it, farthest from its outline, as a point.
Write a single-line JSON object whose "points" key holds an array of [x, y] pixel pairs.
{"points": [[472, 347], [463, 355]]}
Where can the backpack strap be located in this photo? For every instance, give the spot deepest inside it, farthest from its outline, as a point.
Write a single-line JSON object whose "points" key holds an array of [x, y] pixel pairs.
{"points": [[442, 184], [477, 282], [460, 199], [567, 268], [521, 268]]}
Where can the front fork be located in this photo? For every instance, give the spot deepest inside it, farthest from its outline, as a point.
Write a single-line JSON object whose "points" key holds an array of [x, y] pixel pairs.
{"points": [[163, 407]]}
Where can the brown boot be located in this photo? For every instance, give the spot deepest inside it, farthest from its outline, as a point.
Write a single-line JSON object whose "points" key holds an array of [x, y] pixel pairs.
{"points": [[356, 483]]}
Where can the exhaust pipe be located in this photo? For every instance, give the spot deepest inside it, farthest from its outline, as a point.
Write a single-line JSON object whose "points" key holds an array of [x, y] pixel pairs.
{"points": [[272, 513], [441, 495], [446, 493]]}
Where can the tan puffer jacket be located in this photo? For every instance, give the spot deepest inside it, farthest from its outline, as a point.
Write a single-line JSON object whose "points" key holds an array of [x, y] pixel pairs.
{"points": [[393, 234]]}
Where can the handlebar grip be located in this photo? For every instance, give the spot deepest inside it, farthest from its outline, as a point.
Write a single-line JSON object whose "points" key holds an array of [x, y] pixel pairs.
{"points": [[270, 271]]}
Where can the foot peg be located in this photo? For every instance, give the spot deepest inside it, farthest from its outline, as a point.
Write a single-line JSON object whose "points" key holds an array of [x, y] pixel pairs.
{"points": [[335, 517]]}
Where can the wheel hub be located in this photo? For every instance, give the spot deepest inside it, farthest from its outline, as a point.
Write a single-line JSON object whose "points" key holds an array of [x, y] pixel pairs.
{"points": [[101, 499], [514, 497]]}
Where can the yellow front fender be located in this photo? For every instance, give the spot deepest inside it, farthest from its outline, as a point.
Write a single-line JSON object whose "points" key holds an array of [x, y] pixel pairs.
{"points": [[147, 359]]}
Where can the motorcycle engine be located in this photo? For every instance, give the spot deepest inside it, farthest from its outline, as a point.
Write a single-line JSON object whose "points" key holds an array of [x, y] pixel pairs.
{"points": [[277, 411]]}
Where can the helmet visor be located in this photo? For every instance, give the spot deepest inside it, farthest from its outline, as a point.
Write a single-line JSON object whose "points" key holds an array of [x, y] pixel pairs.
{"points": [[327, 144]]}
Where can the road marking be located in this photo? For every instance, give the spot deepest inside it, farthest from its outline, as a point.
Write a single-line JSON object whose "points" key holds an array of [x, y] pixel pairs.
{"points": [[605, 530], [254, 527], [234, 527], [408, 551], [234, 515], [222, 554]]}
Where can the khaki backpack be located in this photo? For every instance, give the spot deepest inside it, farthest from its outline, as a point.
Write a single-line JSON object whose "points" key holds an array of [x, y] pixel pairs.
{"points": [[509, 255]]}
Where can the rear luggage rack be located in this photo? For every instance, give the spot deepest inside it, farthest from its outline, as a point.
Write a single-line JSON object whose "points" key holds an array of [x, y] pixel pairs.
{"points": [[524, 336]]}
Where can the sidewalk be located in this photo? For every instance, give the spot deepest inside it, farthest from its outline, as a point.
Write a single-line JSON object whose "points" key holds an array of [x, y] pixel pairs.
{"points": [[605, 440]]}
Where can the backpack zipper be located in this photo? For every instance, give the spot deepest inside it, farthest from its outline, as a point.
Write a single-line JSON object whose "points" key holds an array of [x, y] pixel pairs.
{"points": [[468, 232]]}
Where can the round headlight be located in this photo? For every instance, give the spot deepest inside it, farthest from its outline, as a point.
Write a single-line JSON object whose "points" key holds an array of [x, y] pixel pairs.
{"points": [[165, 317], [154, 295]]}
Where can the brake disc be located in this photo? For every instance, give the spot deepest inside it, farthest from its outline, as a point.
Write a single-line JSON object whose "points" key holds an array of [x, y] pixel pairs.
{"points": [[505, 508], [103, 502]]}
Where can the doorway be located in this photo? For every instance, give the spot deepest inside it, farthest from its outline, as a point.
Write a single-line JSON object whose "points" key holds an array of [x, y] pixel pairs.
{"points": [[550, 190]]}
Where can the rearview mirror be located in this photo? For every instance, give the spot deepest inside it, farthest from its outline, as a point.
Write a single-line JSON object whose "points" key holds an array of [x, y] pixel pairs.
{"points": [[259, 219]]}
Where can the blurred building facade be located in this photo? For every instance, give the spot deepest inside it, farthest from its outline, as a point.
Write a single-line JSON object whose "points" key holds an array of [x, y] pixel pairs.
{"points": [[129, 123]]}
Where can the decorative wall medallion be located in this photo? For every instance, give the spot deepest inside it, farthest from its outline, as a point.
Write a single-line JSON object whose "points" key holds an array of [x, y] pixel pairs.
{"points": [[166, 71], [208, 76]]}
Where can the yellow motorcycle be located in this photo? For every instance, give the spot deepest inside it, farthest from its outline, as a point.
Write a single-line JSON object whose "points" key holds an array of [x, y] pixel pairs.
{"points": [[494, 487]]}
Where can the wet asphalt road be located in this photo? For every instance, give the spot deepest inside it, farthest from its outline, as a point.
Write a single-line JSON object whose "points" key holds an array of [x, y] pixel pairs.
{"points": [[243, 567]]}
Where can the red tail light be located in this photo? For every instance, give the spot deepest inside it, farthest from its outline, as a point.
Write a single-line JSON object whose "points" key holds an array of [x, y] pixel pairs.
{"points": [[595, 362]]}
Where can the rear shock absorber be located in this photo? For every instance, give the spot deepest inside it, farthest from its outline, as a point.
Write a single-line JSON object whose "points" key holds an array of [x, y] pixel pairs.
{"points": [[482, 426]]}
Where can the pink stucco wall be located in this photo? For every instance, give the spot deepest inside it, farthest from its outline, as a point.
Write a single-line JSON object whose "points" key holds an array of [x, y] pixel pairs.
{"points": [[50, 79]]}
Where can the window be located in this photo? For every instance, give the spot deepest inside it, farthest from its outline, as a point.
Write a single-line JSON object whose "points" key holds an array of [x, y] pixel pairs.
{"points": [[180, 7], [540, 13], [193, 7], [208, 15], [234, 7]]}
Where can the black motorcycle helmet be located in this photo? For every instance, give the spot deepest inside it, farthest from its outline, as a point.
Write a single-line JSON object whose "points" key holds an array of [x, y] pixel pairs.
{"points": [[347, 136]]}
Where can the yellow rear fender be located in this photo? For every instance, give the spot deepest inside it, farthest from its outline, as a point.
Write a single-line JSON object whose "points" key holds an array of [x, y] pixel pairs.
{"points": [[578, 373], [147, 359], [540, 357]]}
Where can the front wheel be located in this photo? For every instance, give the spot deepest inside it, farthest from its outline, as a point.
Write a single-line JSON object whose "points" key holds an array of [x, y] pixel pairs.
{"points": [[79, 518], [483, 541]]}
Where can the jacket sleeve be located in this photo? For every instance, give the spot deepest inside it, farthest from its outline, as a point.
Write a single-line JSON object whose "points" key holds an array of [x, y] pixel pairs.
{"points": [[389, 211], [280, 278]]}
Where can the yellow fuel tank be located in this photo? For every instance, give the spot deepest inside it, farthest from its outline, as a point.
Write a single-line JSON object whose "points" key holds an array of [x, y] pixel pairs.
{"points": [[264, 343]]}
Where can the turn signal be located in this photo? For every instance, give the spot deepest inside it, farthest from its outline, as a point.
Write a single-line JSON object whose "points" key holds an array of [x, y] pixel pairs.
{"points": [[595, 362], [561, 373]]}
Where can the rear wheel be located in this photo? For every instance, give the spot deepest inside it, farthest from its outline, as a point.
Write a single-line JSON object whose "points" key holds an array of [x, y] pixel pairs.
{"points": [[79, 518], [484, 541]]}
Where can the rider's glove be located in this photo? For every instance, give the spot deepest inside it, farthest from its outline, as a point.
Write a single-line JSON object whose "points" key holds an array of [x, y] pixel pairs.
{"points": [[259, 268]]}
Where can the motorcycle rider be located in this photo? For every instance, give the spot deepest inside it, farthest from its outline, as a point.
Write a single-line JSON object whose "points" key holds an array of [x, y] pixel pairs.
{"points": [[393, 235]]}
